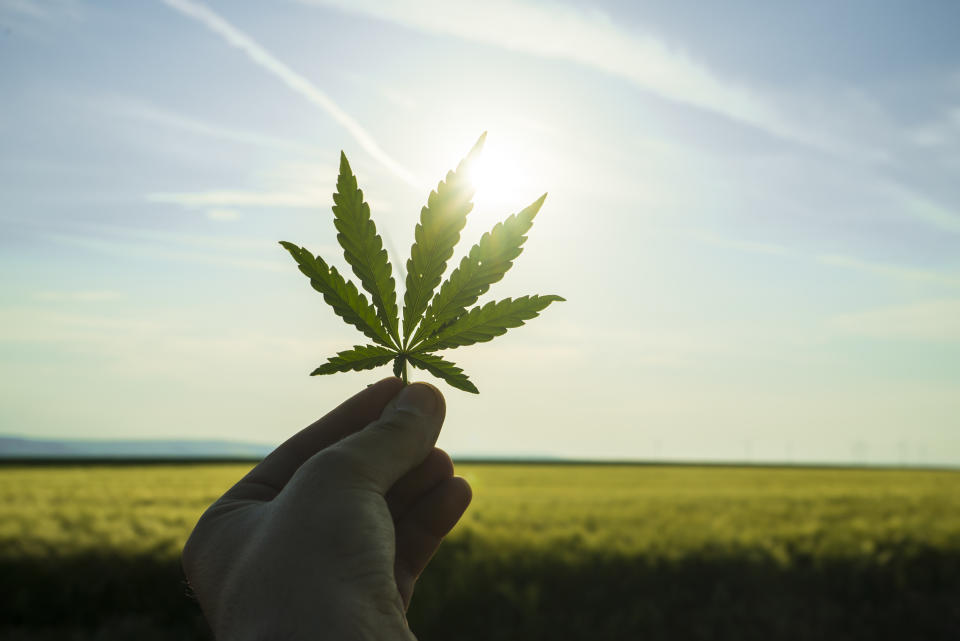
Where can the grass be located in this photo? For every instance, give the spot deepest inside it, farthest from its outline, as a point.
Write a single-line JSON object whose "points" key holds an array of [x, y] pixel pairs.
{"points": [[545, 552], [671, 512], [133, 510]]}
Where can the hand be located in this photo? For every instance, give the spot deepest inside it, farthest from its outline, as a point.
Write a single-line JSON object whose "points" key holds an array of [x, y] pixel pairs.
{"points": [[325, 538]]}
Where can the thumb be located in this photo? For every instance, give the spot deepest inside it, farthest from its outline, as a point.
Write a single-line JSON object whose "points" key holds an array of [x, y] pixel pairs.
{"points": [[392, 445]]}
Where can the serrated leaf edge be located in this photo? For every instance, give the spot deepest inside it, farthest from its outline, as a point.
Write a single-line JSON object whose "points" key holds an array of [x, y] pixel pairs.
{"points": [[360, 357], [429, 256], [489, 321], [443, 369], [500, 246], [363, 247], [341, 294]]}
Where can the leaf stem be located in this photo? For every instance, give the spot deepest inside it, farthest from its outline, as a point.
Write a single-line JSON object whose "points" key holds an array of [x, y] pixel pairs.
{"points": [[403, 375]]}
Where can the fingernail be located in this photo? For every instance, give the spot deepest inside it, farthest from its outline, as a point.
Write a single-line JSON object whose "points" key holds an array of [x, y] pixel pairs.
{"points": [[417, 399]]}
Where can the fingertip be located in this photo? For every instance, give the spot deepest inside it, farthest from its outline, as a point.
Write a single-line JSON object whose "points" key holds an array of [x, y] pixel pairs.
{"points": [[436, 390], [422, 398], [440, 511], [460, 492], [421, 530], [402, 437], [435, 469], [419, 399]]}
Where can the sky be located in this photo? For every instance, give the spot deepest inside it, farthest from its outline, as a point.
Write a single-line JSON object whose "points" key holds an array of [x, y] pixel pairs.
{"points": [[753, 214]]}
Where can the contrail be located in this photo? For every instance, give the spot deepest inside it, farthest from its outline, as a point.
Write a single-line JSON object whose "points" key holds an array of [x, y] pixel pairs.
{"points": [[212, 21]]}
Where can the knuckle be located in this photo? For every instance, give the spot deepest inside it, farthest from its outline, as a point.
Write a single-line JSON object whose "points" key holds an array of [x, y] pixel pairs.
{"points": [[340, 465], [336, 461], [403, 430]]}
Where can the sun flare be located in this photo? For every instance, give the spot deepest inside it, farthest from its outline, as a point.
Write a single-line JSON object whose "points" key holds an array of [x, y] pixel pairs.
{"points": [[503, 177]]}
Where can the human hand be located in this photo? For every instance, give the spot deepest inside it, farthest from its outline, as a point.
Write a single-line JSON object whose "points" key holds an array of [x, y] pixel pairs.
{"points": [[326, 537]]}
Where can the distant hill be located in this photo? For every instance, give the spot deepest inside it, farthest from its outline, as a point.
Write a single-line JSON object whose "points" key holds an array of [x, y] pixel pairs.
{"points": [[18, 447]]}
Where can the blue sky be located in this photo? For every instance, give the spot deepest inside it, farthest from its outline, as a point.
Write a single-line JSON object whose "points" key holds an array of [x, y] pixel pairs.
{"points": [[754, 216]]}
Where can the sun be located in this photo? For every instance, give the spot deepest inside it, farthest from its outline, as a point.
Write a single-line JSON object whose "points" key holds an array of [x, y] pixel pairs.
{"points": [[503, 176]]}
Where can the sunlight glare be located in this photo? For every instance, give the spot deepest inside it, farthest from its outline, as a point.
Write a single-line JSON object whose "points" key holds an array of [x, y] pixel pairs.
{"points": [[503, 178]]}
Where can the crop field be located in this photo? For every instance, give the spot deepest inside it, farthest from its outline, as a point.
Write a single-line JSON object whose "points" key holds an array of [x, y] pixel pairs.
{"points": [[545, 552]]}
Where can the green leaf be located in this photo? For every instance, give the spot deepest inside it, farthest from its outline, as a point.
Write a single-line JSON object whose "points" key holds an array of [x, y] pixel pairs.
{"points": [[356, 359], [430, 322], [398, 363], [348, 303], [441, 221], [484, 323], [443, 369], [363, 247], [486, 264]]}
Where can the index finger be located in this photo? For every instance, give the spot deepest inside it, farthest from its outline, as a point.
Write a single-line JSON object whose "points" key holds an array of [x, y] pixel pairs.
{"points": [[265, 481]]}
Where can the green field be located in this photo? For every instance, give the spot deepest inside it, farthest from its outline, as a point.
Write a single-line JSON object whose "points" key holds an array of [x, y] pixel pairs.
{"points": [[545, 552]]}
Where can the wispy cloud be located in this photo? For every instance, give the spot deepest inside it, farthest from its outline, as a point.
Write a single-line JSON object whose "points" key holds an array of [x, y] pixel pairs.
{"points": [[241, 198], [848, 123], [937, 133], [152, 342], [898, 272], [302, 185], [79, 296], [33, 19], [395, 96], [153, 245], [590, 38], [744, 245], [922, 208], [23, 7], [937, 320], [295, 81], [223, 214], [156, 244], [154, 115], [154, 252], [46, 10]]}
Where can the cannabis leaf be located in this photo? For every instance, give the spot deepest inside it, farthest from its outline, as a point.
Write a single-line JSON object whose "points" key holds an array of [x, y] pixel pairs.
{"points": [[432, 320], [437, 233], [363, 248]]}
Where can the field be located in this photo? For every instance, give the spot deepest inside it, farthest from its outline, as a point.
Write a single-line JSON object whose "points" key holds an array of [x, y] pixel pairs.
{"points": [[545, 552]]}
